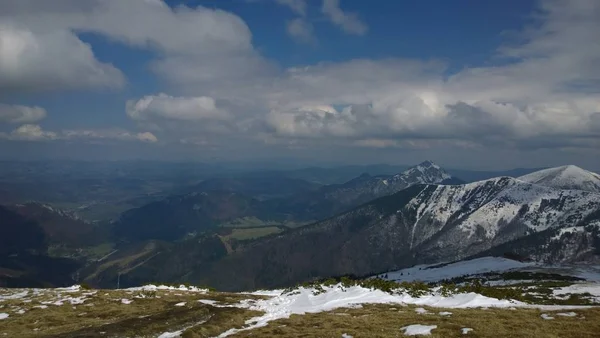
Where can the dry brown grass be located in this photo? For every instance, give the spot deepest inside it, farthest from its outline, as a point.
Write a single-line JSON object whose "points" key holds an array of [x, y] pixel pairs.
{"points": [[387, 321], [104, 315]]}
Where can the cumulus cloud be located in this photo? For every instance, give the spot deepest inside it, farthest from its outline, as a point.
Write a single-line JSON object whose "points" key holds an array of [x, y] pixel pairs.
{"points": [[175, 108], [348, 22], [48, 60], [301, 30], [30, 132], [21, 114], [38, 46], [34, 132], [542, 93]]}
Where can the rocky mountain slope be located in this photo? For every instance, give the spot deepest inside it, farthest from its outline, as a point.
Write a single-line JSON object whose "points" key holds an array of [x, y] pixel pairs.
{"points": [[24, 259], [176, 216], [420, 224], [60, 227], [332, 199], [565, 177], [222, 200]]}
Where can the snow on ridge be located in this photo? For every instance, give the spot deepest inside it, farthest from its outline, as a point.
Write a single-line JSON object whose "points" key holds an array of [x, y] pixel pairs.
{"points": [[565, 177], [423, 173], [490, 203], [431, 273]]}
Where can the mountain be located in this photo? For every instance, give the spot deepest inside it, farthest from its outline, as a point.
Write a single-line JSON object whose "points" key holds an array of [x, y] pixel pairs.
{"points": [[419, 225], [176, 216], [59, 226], [258, 185], [332, 199], [24, 261], [470, 176], [565, 177], [221, 200], [341, 174]]}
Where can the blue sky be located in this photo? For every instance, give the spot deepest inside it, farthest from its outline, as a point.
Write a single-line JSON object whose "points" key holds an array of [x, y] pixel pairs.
{"points": [[479, 84]]}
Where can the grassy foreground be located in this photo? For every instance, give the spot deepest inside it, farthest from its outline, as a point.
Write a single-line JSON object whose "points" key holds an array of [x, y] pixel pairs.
{"points": [[120, 313], [125, 313], [387, 321]]}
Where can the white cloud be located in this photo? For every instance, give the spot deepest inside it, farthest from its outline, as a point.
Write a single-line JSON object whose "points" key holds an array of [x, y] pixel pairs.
{"points": [[543, 93], [175, 108], [21, 114], [44, 52], [30, 132], [301, 30], [49, 60], [348, 22], [108, 134], [33, 132]]}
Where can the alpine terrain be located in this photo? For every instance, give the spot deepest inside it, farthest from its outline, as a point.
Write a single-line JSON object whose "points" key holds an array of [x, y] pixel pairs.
{"points": [[424, 223], [565, 177]]}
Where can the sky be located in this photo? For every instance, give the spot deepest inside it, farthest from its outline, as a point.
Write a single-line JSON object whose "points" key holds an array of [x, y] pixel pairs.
{"points": [[465, 83]]}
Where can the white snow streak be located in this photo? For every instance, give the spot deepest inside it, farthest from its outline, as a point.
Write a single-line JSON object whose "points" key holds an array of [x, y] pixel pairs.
{"points": [[304, 300]]}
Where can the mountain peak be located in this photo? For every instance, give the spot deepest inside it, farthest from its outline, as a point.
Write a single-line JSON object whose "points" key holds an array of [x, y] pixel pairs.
{"points": [[426, 172], [565, 177], [428, 164]]}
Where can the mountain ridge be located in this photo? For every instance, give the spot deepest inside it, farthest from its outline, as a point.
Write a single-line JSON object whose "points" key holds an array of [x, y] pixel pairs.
{"points": [[565, 177], [417, 225]]}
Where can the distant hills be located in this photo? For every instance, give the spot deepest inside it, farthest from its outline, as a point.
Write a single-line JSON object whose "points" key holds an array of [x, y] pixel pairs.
{"points": [[222, 200]]}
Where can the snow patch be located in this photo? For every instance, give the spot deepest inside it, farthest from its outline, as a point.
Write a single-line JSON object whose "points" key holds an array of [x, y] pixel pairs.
{"points": [[3, 315], [152, 287], [546, 316], [438, 272], [466, 330], [580, 288], [171, 334], [306, 300], [418, 329], [421, 310]]}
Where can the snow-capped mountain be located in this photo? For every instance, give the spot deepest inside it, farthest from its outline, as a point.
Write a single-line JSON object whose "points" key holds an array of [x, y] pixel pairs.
{"points": [[565, 177], [336, 198], [419, 225]]}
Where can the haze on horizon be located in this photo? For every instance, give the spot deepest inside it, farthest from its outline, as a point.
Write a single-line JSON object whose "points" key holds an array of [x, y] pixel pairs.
{"points": [[482, 85]]}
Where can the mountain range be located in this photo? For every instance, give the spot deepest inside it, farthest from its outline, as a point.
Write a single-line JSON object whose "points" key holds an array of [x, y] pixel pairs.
{"points": [[421, 223], [367, 225], [218, 201]]}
